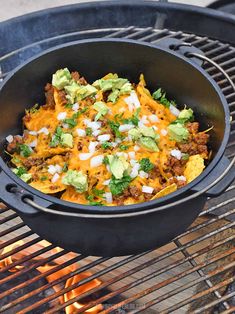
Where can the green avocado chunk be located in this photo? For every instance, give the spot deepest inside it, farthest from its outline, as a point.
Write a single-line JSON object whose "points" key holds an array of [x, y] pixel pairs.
{"points": [[67, 140], [21, 172], [118, 165], [101, 108], [178, 132], [186, 114], [134, 133], [77, 92], [137, 133], [148, 131], [61, 78], [85, 91], [77, 179], [148, 143], [71, 91], [117, 86]]}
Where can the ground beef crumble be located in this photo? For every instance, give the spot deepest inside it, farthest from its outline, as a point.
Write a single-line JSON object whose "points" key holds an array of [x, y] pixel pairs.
{"points": [[30, 161], [197, 143], [131, 191], [80, 80], [12, 147], [49, 94]]}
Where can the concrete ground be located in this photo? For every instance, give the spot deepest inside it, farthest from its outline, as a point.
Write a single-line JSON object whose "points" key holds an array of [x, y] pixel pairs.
{"points": [[12, 8]]}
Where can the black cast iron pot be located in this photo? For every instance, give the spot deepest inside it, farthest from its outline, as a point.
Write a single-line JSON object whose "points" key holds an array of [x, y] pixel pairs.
{"points": [[113, 231]]}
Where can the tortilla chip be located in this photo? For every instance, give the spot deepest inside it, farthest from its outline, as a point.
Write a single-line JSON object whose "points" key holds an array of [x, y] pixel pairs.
{"points": [[71, 195], [38, 119], [142, 80], [194, 167], [167, 190], [48, 187]]}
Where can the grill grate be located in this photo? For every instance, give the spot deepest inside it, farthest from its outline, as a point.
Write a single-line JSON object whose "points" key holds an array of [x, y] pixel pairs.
{"points": [[194, 273]]}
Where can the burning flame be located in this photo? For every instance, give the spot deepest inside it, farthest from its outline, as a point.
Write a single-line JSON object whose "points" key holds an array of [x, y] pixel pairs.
{"points": [[71, 309], [77, 291], [9, 260]]}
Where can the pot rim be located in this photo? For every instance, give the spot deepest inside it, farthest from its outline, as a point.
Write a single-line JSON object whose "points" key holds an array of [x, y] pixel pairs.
{"points": [[139, 206]]}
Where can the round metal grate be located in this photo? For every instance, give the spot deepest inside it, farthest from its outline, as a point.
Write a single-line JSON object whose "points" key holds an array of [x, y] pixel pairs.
{"points": [[188, 275]]}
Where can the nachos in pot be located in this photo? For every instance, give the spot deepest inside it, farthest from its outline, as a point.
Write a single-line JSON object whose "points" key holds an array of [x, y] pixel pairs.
{"points": [[109, 143]]}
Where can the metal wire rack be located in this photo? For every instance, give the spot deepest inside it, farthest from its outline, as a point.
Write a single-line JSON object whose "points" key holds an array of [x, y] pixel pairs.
{"points": [[193, 274]]}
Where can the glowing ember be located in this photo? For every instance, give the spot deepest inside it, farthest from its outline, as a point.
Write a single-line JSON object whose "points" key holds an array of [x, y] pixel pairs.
{"points": [[73, 308]]}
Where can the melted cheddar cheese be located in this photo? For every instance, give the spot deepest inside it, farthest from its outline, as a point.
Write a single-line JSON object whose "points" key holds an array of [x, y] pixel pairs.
{"points": [[149, 174]]}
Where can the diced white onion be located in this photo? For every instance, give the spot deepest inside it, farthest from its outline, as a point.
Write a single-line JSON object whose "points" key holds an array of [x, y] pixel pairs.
{"points": [[92, 147], [33, 133], [144, 120], [155, 127], [136, 148], [164, 132], [137, 166], [143, 174], [153, 118], [55, 178], [176, 153], [33, 143], [58, 168], [131, 155], [140, 124], [96, 132], [114, 144], [104, 137], [181, 178], [125, 127], [61, 116], [94, 125], [118, 141], [119, 154], [129, 138], [81, 132], [174, 110], [75, 107], [133, 162], [132, 101], [96, 161], [85, 156], [109, 197], [108, 168], [10, 138], [86, 121], [106, 182], [52, 169], [147, 189], [130, 107], [134, 171], [65, 125], [44, 130]]}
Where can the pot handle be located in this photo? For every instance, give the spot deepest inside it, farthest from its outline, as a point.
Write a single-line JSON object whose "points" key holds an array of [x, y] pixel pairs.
{"points": [[223, 164], [222, 185], [15, 196]]}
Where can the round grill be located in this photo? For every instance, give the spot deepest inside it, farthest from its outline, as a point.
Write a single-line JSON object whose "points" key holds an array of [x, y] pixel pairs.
{"points": [[193, 274]]}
